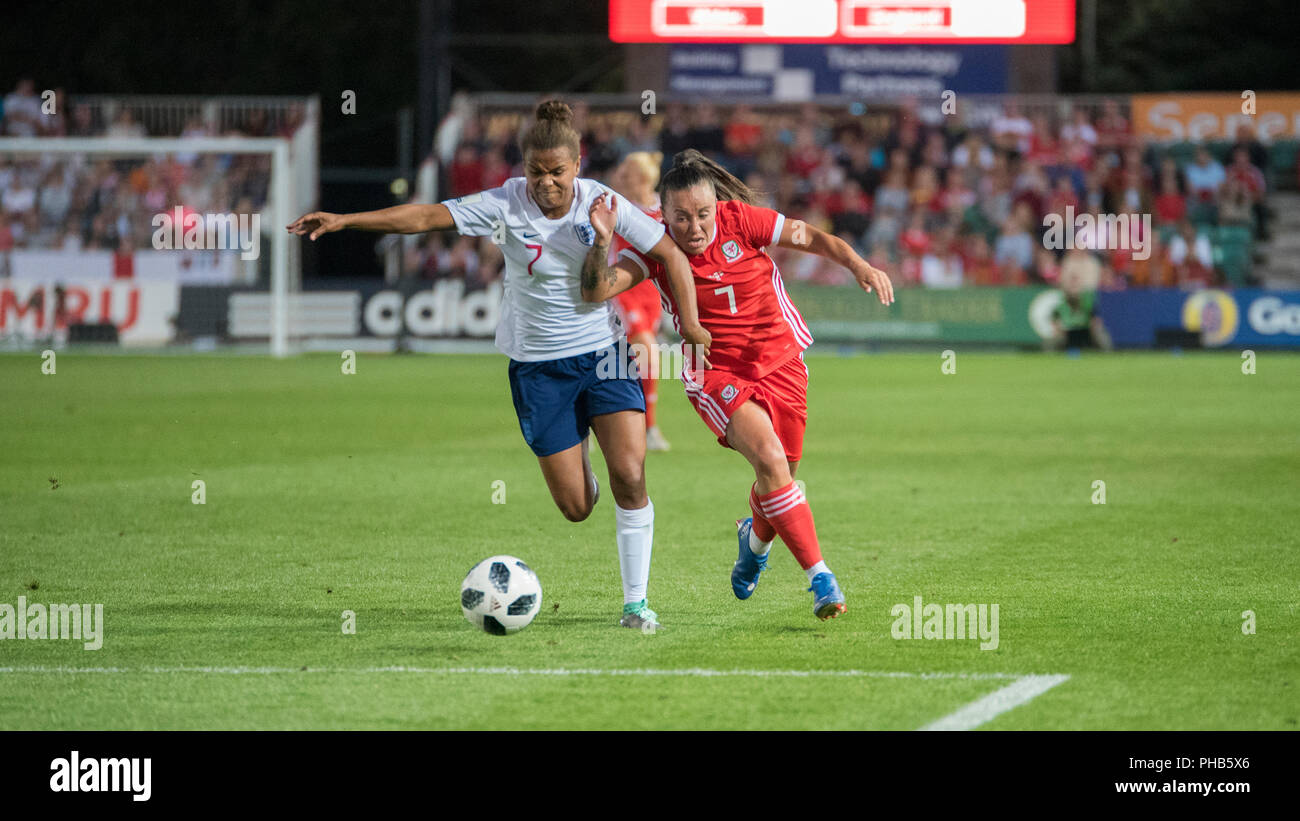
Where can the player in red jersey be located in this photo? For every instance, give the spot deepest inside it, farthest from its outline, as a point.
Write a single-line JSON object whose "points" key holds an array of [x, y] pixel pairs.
{"points": [[639, 307], [753, 397]]}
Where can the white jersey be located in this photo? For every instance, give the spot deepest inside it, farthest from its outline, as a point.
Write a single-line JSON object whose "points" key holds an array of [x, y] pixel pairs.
{"points": [[543, 315]]}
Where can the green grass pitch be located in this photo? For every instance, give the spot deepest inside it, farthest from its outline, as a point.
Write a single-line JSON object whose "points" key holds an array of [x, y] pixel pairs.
{"points": [[373, 493]]}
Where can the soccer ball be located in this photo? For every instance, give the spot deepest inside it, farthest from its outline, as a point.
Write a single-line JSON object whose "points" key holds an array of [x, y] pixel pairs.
{"points": [[501, 595]]}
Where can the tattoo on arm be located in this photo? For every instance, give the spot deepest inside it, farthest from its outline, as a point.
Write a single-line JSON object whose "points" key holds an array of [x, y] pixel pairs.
{"points": [[595, 267]]}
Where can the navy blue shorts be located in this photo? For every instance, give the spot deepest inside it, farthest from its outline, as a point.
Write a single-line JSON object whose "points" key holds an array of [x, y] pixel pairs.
{"points": [[556, 399]]}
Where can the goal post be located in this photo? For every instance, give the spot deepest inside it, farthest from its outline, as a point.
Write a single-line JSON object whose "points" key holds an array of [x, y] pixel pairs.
{"points": [[285, 271]]}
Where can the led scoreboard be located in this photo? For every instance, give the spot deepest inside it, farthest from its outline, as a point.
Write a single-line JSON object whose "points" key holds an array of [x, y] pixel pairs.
{"points": [[841, 21]]}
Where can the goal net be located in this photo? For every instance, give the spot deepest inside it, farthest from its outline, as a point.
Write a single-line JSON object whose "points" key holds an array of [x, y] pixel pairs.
{"points": [[155, 241]]}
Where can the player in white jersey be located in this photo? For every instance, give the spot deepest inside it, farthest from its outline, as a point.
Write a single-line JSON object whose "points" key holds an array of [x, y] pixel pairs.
{"points": [[554, 339]]}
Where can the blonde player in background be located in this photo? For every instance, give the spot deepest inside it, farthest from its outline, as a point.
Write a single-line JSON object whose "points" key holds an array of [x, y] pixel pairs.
{"points": [[639, 306]]}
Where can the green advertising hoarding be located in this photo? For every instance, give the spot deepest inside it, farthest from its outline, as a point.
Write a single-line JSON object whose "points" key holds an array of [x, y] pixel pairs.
{"points": [[848, 314]]}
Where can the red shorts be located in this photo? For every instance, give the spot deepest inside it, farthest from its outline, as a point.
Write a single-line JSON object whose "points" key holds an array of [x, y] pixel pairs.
{"points": [[639, 308], [783, 393]]}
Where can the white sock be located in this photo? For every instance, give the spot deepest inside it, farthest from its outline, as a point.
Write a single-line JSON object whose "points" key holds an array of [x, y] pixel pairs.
{"points": [[756, 545], [635, 530], [820, 567]]}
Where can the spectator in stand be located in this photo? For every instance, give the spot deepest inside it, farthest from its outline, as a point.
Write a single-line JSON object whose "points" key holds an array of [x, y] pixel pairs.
{"points": [[941, 265], [915, 240], [978, 264], [125, 125], [56, 196], [1012, 131], [1204, 177], [1032, 188], [1128, 186], [1047, 268], [1236, 205], [973, 154], [1132, 192], [742, 136], [804, 156], [22, 110], [905, 137], [601, 156], [1094, 191], [466, 172], [1155, 271], [1192, 257], [956, 198], [894, 194], [849, 208], [881, 257], [1064, 197], [996, 193], [1044, 149], [1245, 138], [1014, 249], [858, 165], [925, 190], [491, 262], [675, 136], [1113, 131], [638, 137], [495, 169], [1079, 129], [886, 227], [83, 122], [935, 153], [706, 134], [1251, 180], [1170, 204]]}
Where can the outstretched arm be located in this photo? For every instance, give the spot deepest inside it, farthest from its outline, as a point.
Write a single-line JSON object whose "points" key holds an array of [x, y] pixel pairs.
{"points": [[400, 219], [801, 236]]}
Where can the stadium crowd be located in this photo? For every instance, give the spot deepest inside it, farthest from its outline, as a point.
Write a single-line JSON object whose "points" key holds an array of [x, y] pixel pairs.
{"points": [[71, 201], [939, 206]]}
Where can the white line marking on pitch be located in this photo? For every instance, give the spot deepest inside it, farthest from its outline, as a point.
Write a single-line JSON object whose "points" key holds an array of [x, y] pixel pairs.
{"points": [[984, 710], [694, 672], [1022, 689]]}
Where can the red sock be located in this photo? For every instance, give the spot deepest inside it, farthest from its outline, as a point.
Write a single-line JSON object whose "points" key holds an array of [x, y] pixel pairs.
{"points": [[762, 527], [651, 397], [788, 512]]}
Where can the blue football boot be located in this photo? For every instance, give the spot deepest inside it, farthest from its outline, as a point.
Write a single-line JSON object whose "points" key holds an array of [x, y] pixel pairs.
{"points": [[828, 601], [744, 575]]}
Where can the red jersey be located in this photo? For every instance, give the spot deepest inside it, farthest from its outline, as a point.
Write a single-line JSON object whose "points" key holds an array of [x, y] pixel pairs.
{"points": [[742, 301]]}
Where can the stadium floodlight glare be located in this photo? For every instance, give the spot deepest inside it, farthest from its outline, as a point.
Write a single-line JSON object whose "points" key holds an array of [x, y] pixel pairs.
{"points": [[279, 203]]}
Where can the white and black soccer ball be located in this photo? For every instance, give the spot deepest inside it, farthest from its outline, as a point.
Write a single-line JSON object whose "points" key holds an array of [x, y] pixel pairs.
{"points": [[501, 595]]}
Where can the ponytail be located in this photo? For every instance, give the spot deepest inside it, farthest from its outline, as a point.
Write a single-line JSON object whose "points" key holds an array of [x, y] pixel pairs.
{"points": [[690, 168]]}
